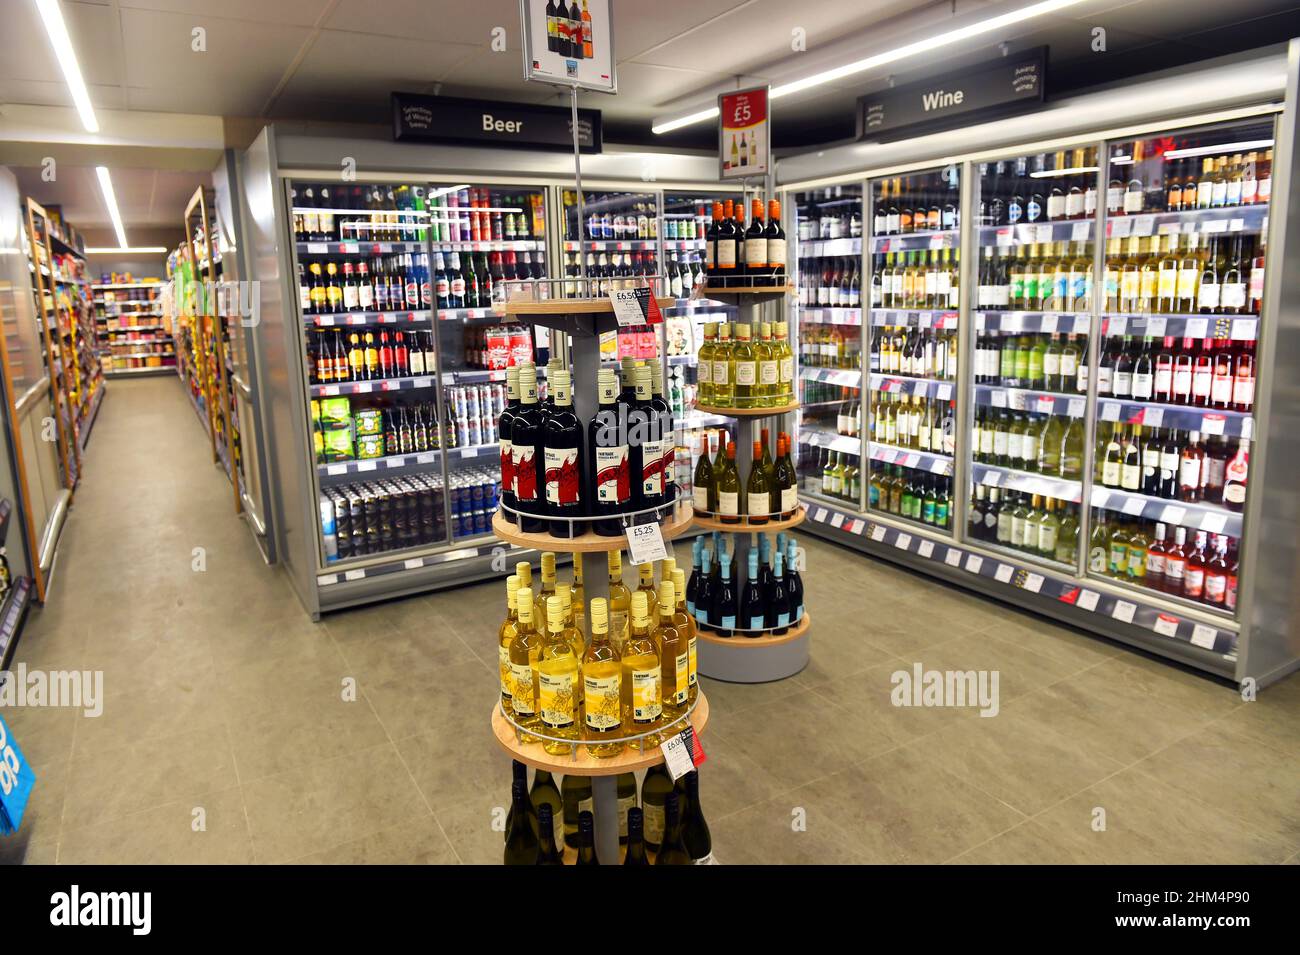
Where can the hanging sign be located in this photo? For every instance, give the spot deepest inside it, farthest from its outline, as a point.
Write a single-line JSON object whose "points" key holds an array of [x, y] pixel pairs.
{"points": [[444, 119], [570, 43], [744, 134]]}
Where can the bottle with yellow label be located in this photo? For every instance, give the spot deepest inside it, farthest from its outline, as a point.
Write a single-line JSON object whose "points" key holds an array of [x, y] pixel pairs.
{"points": [[546, 592], [620, 599], [674, 655], [683, 622], [642, 679], [579, 596], [506, 636], [557, 679], [524, 651], [602, 688], [577, 639], [646, 581], [524, 571]]}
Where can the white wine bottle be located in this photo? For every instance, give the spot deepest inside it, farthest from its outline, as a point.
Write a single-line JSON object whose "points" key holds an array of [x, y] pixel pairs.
{"points": [[620, 599], [575, 794], [557, 680], [672, 850], [522, 844], [642, 679], [505, 636], [625, 787], [695, 831], [547, 591], [524, 650], [546, 793], [601, 688], [674, 655], [684, 622], [655, 788]]}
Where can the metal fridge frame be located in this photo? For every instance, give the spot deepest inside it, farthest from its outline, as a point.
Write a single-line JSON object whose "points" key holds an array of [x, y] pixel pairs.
{"points": [[1261, 644]]}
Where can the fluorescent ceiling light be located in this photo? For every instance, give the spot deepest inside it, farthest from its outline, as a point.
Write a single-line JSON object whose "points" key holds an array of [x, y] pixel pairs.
{"points": [[110, 200], [1071, 171], [136, 250], [1215, 150], [889, 56], [52, 17]]}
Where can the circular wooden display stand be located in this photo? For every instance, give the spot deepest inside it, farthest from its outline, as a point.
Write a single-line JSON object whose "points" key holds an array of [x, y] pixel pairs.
{"points": [[770, 527], [676, 523], [582, 763], [569, 306], [742, 642], [748, 412], [711, 290], [742, 659]]}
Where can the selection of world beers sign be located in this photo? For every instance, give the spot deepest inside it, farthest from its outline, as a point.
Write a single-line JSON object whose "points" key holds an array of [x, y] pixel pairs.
{"points": [[569, 42], [744, 134]]}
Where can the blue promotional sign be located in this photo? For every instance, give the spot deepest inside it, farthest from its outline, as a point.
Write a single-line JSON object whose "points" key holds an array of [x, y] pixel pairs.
{"points": [[16, 781]]}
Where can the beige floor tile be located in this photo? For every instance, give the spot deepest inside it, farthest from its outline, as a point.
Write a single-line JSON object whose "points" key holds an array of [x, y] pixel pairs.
{"points": [[313, 808], [208, 830], [783, 831], [1026, 844], [734, 697], [396, 653], [470, 828], [418, 843], [870, 694], [445, 701], [26, 848], [731, 781], [302, 731], [1020, 670], [451, 768]]}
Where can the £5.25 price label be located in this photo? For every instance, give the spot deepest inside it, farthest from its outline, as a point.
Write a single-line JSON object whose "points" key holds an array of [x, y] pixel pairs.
{"points": [[645, 543]]}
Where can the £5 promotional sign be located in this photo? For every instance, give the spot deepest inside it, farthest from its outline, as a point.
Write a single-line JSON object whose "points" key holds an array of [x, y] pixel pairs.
{"points": [[744, 133]]}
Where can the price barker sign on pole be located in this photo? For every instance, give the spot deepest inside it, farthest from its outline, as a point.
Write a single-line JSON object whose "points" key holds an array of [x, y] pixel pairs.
{"points": [[744, 134]]}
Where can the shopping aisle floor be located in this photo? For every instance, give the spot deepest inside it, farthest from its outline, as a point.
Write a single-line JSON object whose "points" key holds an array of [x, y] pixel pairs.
{"points": [[228, 735]]}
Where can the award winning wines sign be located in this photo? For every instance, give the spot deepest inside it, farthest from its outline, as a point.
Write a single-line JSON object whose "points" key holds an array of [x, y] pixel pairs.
{"points": [[991, 88], [570, 43], [744, 134], [442, 119]]}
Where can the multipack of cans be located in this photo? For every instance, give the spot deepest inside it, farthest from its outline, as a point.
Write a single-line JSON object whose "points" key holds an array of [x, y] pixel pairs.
{"points": [[373, 517], [474, 494]]}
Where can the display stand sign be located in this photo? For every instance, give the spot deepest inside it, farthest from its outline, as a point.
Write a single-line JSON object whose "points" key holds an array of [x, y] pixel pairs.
{"points": [[645, 544], [744, 134], [682, 753], [16, 781], [570, 43], [635, 307]]}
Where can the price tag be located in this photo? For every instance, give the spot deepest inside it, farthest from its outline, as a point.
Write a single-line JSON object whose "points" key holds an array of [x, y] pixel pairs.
{"points": [[349, 247], [991, 478], [1047, 323], [973, 563], [1153, 417], [1116, 324], [1043, 233], [468, 452], [634, 307], [362, 387], [354, 575], [999, 398], [1033, 583], [911, 459], [1004, 573], [1248, 428], [1165, 625], [414, 563], [1156, 326], [923, 321], [421, 382], [857, 525], [1109, 411], [682, 753], [1081, 231], [1134, 506], [1173, 514], [1004, 238], [837, 520], [1214, 225], [1076, 407], [1082, 323], [1100, 496], [1087, 599], [820, 515], [336, 469], [426, 457], [329, 390], [1120, 228], [926, 548], [938, 466], [937, 241], [878, 532], [367, 465], [1203, 636], [324, 580], [1214, 523], [943, 392], [953, 557], [903, 541], [1044, 405], [645, 543], [318, 248], [326, 321], [1011, 323], [1196, 328], [384, 247], [1236, 225], [1124, 611], [1142, 225], [1244, 329], [890, 455]]}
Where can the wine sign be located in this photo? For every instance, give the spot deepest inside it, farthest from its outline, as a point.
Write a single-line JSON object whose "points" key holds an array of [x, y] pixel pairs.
{"points": [[744, 134], [570, 43], [635, 307]]}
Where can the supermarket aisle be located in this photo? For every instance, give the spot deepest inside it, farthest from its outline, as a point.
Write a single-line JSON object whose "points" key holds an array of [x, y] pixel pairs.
{"points": [[229, 735]]}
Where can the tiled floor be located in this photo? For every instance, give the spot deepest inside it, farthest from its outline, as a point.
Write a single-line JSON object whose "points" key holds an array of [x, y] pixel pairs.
{"points": [[228, 734]]}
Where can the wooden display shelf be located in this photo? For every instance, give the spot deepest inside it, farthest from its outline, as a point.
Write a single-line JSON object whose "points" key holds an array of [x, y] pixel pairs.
{"points": [[711, 290], [772, 526], [582, 763], [740, 641], [589, 543], [748, 412], [571, 306]]}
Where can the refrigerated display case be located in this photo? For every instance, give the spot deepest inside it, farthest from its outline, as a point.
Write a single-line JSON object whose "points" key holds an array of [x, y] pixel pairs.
{"points": [[1118, 343], [385, 467]]}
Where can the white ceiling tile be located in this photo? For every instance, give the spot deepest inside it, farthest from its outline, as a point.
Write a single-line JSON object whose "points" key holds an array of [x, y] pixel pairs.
{"points": [[351, 66], [38, 93], [291, 12], [145, 197], [471, 22]]}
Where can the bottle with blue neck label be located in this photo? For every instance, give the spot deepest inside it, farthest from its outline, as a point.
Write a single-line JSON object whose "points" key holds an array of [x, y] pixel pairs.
{"points": [[722, 615], [704, 592], [794, 583], [778, 605], [753, 612]]}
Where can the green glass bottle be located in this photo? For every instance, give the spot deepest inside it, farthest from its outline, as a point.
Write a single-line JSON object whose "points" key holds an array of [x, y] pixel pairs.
{"points": [[522, 844], [672, 850]]}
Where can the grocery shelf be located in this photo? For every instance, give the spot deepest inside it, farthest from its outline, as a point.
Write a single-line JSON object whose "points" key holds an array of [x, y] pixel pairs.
{"points": [[908, 458], [916, 241], [588, 543], [1252, 218], [91, 416], [367, 318], [462, 314], [760, 291], [992, 475], [371, 387], [112, 285], [826, 315], [1011, 322], [909, 385], [364, 247], [13, 614], [569, 306], [762, 638], [370, 566], [832, 441], [469, 376], [772, 525], [397, 462], [683, 245], [748, 412], [915, 317], [141, 370], [844, 377], [817, 248], [581, 762], [1029, 399], [612, 245], [1153, 414], [1027, 233], [1221, 327], [1207, 517]]}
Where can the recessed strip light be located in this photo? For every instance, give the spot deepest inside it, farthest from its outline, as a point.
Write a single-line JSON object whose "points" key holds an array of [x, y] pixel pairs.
{"points": [[110, 200], [889, 56], [1071, 171], [132, 250], [57, 30], [1216, 150]]}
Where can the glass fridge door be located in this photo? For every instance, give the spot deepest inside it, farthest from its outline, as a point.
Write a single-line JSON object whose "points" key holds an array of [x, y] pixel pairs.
{"points": [[1187, 214], [828, 328], [914, 300], [621, 235], [1030, 367]]}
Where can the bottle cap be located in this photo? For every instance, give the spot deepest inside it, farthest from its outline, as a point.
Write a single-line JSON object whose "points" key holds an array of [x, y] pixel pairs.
{"points": [[566, 592], [525, 572], [548, 565], [666, 568], [667, 596], [556, 610], [512, 590], [524, 600], [679, 583], [640, 607], [598, 614]]}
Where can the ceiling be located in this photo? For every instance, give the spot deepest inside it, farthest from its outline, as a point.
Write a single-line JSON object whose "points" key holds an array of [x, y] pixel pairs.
{"points": [[337, 60], [145, 197]]}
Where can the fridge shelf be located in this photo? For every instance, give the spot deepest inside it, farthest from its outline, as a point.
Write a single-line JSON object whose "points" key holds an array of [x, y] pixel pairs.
{"points": [[371, 465], [463, 314], [395, 562], [1253, 218], [1013, 323], [1071, 597], [1027, 399], [1207, 517], [916, 241], [841, 443], [827, 315], [1236, 424], [758, 291], [817, 248], [1222, 327], [1028, 233], [366, 318], [992, 475], [379, 385], [361, 247], [907, 385], [844, 377], [471, 376], [683, 245], [908, 458], [613, 245], [914, 317]]}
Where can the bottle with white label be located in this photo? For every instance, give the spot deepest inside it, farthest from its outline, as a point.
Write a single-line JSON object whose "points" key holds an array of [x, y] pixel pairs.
{"points": [[557, 679], [744, 361], [602, 688]]}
